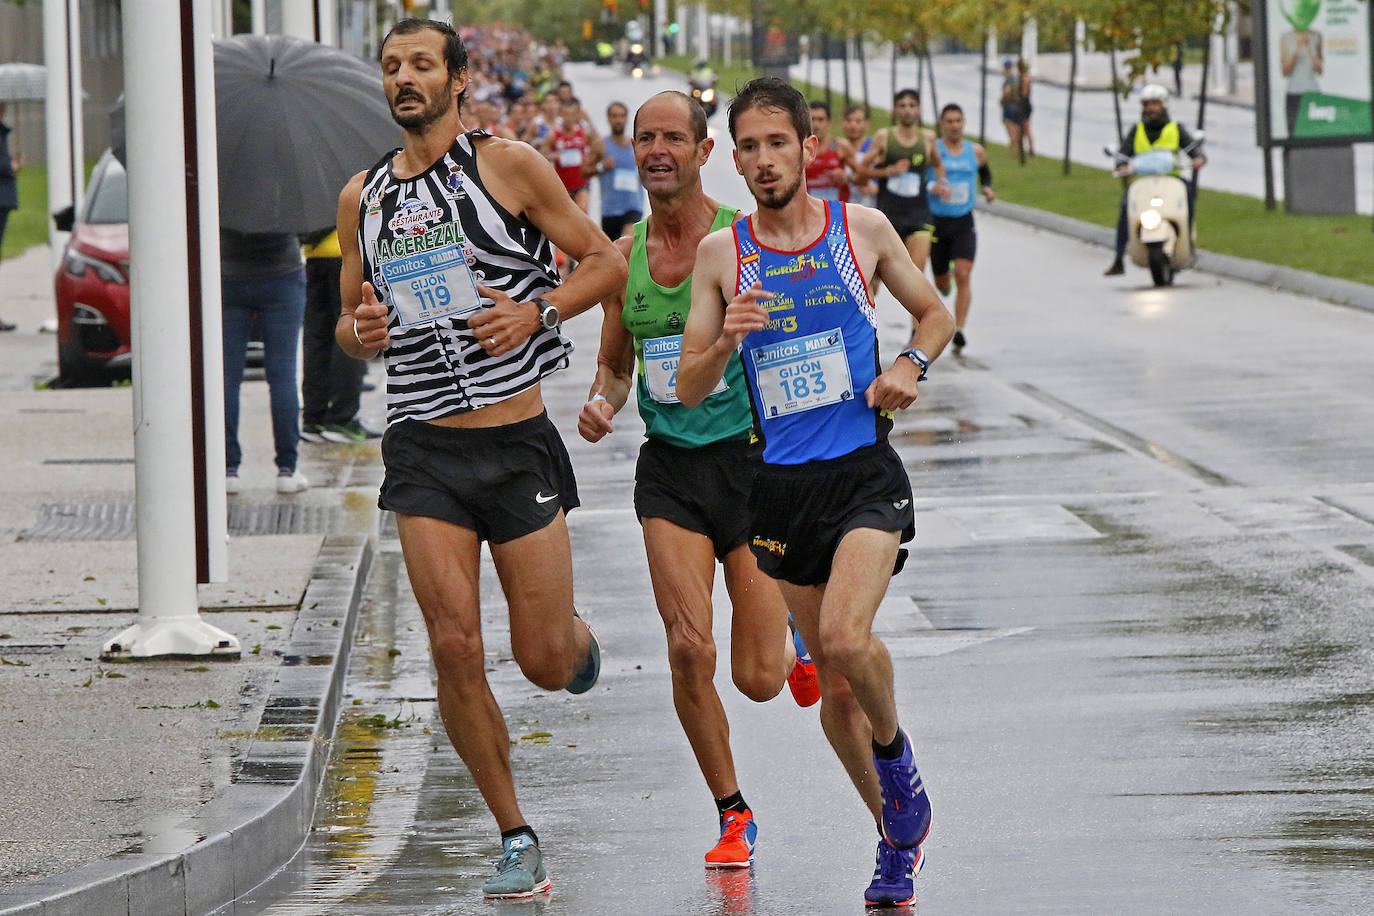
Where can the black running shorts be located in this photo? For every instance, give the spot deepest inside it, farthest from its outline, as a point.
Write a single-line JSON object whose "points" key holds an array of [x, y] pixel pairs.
{"points": [[955, 238], [611, 225], [703, 489], [800, 513], [502, 482], [912, 218]]}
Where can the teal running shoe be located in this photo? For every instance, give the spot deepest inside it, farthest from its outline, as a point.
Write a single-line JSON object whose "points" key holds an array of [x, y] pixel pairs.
{"points": [[520, 873], [586, 676]]}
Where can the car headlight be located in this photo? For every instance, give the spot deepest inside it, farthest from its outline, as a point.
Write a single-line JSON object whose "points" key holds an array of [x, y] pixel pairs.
{"points": [[76, 264], [1150, 219]]}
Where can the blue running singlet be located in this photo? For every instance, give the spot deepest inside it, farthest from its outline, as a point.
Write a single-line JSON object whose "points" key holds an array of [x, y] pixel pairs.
{"points": [[961, 174], [809, 368]]}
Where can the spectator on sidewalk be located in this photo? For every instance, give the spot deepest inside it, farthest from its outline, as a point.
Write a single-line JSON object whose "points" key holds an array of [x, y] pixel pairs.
{"points": [[262, 276], [9, 188], [332, 381]]}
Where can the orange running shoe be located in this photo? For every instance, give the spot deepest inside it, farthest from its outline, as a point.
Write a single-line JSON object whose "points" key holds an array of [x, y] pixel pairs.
{"points": [[805, 687], [736, 846]]}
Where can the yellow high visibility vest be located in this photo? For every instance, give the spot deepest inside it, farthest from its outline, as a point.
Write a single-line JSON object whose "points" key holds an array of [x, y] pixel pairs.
{"points": [[1168, 140]]}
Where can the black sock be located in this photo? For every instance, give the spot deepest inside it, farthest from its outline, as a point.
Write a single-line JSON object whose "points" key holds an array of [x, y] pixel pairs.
{"points": [[731, 803], [890, 751], [516, 831]]}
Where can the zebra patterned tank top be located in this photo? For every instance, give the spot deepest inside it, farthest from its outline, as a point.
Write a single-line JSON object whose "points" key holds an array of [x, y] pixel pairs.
{"points": [[426, 242]]}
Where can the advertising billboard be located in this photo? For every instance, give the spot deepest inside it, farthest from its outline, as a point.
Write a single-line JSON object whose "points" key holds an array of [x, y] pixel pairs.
{"points": [[1315, 79]]}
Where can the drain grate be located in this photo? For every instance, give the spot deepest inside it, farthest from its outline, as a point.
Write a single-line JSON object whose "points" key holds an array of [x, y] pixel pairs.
{"points": [[117, 521]]}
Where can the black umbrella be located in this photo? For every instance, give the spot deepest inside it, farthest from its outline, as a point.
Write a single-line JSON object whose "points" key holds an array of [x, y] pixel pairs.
{"points": [[296, 120]]}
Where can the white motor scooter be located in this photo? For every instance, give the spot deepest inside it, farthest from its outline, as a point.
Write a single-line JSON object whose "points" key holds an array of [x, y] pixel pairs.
{"points": [[1160, 234]]}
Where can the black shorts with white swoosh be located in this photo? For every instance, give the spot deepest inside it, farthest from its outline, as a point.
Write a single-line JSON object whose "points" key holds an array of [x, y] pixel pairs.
{"points": [[503, 482], [800, 513]]}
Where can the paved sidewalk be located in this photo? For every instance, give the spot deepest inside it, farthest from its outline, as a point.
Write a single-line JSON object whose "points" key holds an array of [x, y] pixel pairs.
{"points": [[157, 786]]}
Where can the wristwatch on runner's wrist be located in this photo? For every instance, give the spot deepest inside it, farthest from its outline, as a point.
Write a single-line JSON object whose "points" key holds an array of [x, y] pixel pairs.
{"points": [[919, 357], [548, 313]]}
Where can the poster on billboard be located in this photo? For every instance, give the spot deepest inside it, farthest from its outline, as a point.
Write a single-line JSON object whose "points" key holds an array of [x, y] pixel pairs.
{"points": [[1316, 73]]}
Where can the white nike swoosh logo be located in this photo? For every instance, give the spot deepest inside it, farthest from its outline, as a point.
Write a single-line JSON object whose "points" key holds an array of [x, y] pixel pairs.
{"points": [[541, 498]]}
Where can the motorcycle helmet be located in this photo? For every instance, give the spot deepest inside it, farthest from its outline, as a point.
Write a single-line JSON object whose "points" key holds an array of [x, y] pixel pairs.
{"points": [[1155, 93]]}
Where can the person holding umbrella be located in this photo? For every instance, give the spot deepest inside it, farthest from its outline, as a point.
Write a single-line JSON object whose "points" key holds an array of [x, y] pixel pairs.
{"points": [[448, 274]]}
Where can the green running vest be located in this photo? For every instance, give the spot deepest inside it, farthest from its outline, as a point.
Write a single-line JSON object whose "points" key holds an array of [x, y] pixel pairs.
{"points": [[656, 316]]}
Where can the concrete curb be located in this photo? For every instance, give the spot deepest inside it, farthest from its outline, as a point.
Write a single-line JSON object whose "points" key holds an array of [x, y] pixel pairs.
{"points": [[258, 823], [1274, 276]]}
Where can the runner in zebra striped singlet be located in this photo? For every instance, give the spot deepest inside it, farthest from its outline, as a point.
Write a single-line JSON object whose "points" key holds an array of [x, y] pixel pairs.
{"points": [[448, 271]]}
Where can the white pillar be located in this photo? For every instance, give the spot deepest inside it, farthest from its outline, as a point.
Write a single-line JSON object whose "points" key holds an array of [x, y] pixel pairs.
{"points": [[298, 19], [159, 289], [329, 22], [727, 38], [259, 11], [993, 58], [703, 30], [63, 114], [1030, 43]]}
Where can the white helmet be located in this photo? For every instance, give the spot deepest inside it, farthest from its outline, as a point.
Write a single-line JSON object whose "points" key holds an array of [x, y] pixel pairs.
{"points": [[1155, 93]]}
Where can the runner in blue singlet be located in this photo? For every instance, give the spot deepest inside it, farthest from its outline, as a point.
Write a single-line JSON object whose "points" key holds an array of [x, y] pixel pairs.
{"points": [[955, 241], [790, 290]]}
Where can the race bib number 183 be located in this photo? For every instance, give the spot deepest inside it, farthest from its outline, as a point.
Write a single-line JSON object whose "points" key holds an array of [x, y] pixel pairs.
{"points": [[802, 373]]}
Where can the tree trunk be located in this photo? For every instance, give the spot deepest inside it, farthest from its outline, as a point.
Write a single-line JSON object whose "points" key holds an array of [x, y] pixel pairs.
{"points": [[1116, 94], [934, 100], [1068, 114], [863, 69], [983, 95], [844, 62]]}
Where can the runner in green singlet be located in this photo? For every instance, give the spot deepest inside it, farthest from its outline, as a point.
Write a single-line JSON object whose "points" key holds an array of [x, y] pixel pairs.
{"points": [[695, 471]]}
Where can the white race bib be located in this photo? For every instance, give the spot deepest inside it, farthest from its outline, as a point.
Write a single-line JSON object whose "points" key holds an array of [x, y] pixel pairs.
{"points": [[958, 193], [661, 355], [570, 157], [430, 284], [802, 373], [906, 184], [625, 180]]}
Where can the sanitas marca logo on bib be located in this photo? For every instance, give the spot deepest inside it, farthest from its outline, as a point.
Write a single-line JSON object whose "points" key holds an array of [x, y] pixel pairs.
{"points": [[412, 217]]}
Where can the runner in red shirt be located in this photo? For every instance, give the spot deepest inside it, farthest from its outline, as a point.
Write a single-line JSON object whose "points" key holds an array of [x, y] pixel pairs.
{"points": [[574, 147], [825, 176]]}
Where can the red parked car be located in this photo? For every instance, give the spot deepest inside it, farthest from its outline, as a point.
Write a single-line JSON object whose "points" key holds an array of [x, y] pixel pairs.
{"points": [[92, 283]]}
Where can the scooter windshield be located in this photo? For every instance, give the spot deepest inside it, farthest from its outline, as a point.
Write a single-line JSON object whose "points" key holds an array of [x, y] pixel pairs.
{"points": [[1155, 162]]}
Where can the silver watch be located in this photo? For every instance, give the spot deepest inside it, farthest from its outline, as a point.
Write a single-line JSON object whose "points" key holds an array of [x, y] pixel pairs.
{"points": [[548, 313], [920, 358]]}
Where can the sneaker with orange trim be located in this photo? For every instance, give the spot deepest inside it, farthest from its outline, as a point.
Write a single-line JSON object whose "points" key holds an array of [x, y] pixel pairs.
{"points": [[736, 846], [805, 687]]}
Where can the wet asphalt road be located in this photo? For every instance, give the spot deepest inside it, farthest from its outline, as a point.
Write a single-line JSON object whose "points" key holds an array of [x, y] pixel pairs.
{"points": [[1132, 644]]}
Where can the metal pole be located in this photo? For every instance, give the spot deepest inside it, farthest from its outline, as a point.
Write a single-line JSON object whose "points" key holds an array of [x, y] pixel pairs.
{"points": [[1269, 202], [163, 41], [63, 118]]}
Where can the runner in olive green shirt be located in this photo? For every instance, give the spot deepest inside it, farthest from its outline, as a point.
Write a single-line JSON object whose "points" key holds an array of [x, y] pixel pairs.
{"points": [[695, 469]]}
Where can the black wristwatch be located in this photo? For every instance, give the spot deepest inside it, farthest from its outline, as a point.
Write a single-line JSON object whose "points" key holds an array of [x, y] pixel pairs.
{"points": [[919, 357], [548, 313]]}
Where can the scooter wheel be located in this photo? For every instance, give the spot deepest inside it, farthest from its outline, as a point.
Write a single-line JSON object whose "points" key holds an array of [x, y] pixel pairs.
{"points": [[1161, 271]]}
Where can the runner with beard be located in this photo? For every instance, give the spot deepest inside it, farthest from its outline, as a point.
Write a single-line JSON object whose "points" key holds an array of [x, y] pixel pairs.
{"points": [[832, 503], [695, 469], [448, 274], [863, 191], [898, 158]]}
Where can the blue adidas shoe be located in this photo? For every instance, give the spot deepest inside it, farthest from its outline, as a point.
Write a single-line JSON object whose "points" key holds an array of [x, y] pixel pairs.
{"points": [[894, 876], [906, 809]]}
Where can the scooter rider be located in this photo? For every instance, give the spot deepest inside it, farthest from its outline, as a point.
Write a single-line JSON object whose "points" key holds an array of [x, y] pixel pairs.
{"points": [[1154, 131]]}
